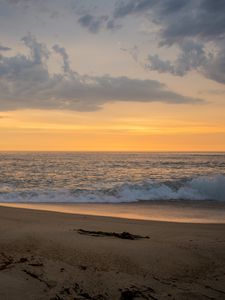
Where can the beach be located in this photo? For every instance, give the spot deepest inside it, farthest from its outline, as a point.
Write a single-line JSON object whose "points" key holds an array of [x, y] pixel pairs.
{"points": [[53, 255], [112, 150]]}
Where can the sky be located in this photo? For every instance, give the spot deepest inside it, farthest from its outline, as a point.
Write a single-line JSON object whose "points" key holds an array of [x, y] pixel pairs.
{"points": [[112, 75]]}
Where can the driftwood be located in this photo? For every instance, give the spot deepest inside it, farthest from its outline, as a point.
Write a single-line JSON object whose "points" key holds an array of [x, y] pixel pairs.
{"points": [[123, 235]]}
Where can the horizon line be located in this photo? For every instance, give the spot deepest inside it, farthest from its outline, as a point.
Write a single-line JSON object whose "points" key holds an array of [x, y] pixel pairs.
{"points": [[125, 151]]}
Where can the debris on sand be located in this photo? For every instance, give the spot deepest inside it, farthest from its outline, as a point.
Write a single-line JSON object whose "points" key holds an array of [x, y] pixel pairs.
{"points": [[123, 235]]}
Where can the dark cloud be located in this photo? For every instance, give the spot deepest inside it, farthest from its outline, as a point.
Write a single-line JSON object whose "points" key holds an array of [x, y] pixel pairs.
{"points": [[25, 82], [215, 67], [192, 57], [196, 27], [179, 18], [95, 24], [125, 8], [197, 19], [92, 23]]}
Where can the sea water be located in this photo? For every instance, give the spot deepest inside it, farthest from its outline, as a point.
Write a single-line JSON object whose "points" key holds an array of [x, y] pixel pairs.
{"points": [[111, 177]]}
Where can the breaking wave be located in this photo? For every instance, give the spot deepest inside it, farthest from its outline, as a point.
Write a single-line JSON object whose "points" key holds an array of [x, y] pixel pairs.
{"points": [[200, 188]]}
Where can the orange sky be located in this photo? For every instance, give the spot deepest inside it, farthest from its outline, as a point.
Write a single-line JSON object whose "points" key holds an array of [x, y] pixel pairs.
{"points": [[146, 127], [54, 67]]}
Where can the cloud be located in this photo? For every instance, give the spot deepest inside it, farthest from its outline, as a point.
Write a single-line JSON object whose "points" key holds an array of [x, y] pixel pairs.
{"points": [[213, 92], [4, 48], [204, 18], [192, 57], [65, 57], [195, 27], [26, 4], [25, 82], [38, 51], [95, 23], [50, 8], [92, 23], [125, 8]]}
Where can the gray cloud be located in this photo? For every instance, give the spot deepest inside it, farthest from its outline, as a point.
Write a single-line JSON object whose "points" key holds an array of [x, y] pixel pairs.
{"points": [[204, 19], [27, 4], [94, 24], [193, 26], [192, 57], [39, 52], [66, 63], [125, 8], [25, 82], [179, 18], [215, 67], [4, 48], [50, 8], [212, 92]]}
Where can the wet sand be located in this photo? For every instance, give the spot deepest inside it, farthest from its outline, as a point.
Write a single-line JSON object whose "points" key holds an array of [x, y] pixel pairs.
{"points": [[43, 255], [172, 211]]}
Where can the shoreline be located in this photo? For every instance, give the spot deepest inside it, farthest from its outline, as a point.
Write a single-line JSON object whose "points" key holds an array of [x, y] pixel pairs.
{"points": [[209, 212], [43, 256]]}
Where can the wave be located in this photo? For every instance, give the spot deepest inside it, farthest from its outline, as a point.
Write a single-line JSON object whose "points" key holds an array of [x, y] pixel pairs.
{"points": [[200, 188]]}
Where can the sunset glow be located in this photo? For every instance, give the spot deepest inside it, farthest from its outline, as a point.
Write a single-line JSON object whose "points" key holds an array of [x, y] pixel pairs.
{"points": [[80, 85]]}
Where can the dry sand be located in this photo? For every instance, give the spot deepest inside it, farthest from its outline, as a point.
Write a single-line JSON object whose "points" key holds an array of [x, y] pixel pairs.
{"points": [[42, 256]]}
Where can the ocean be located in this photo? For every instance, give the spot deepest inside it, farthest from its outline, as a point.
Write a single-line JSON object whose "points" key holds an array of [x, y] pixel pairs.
{"points": [[103, 177]]}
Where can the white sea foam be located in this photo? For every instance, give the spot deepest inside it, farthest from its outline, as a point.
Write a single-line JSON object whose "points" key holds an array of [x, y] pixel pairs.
{"points": [[200, 188]]}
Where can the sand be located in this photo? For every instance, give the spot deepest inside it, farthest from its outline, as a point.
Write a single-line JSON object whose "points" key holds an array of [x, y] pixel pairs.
{"points": [[178, 211], [43, 256]]}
